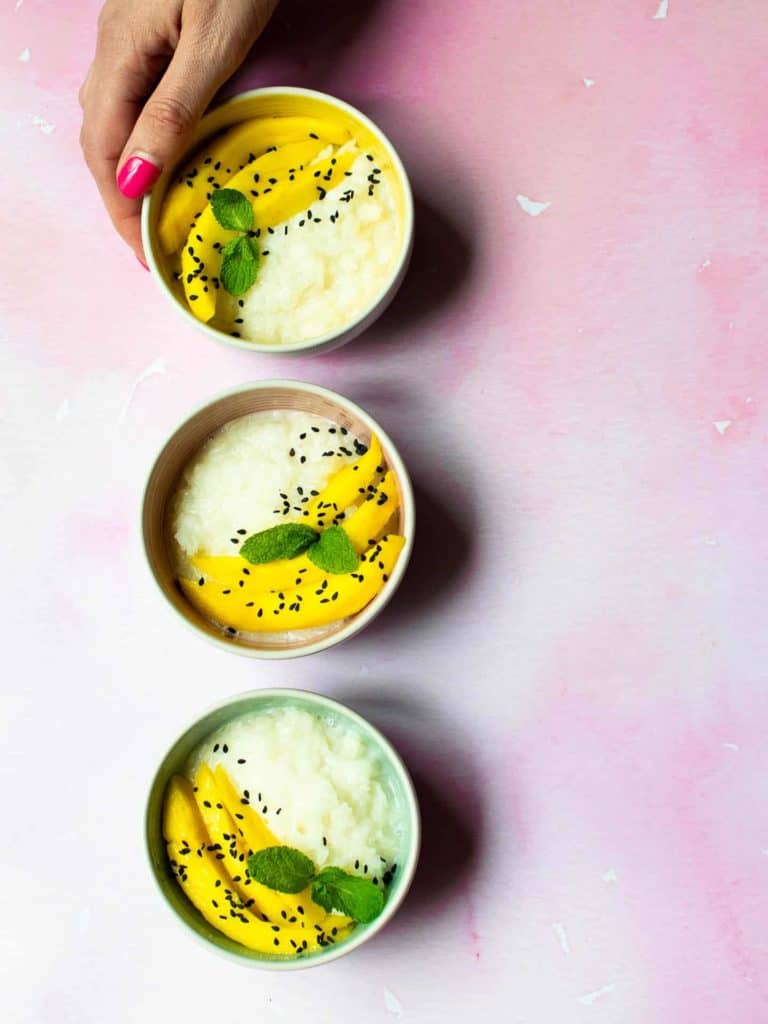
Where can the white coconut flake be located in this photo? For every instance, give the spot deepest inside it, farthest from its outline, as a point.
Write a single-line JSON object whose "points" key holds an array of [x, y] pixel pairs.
{"points": [[531, 206], [155, 369], [392, 1004], [610, 875], [589, 82], [592, 997], [722, 425], [559, 929], [731, 746], [46, 127], [25, 55], [662, 11], [63, 411]]}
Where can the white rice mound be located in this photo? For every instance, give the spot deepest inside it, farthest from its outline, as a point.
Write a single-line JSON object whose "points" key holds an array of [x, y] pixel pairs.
{"points": [[236, 481], [321, 777], [318, 277]]}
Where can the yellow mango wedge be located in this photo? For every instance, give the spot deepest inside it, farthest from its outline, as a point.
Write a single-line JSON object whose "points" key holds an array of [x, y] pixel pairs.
{"points": [[335, 597], [345, 487], [362, 527], [205, 880], [299, 906], [201, 255], [224, 832], [220, 158]]}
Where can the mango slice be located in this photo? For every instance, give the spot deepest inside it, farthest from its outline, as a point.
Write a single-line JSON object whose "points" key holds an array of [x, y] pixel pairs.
{"points": [[345, 487], [224, 831], [365, 525], [362, 527], [220, 158], [257, 835], [317, 604], [278, 202], [207, 883]]}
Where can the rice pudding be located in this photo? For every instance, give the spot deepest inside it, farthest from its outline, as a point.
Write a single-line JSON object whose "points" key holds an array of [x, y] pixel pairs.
{"points": [[282, 830], [280, 525], [318, 233]]}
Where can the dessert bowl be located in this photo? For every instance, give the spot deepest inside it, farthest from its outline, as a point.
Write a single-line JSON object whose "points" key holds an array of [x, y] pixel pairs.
{"points": [[287, 226], [345, 798], [266, 465]]}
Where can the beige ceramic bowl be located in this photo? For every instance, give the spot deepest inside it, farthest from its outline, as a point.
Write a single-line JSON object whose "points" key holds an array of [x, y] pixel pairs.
{"points": [[285, 101], [187, 440]]}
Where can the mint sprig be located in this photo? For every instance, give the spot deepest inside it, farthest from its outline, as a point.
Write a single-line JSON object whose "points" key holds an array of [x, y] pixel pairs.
{"points": [[240, 257], [358, 898], [331, 550], [286, 869], [278, 542], [239, 265], [282, 868], [232, 209]]}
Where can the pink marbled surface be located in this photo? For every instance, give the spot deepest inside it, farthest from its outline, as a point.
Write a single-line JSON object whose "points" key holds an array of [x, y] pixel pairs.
{"points": [[576, 666]]}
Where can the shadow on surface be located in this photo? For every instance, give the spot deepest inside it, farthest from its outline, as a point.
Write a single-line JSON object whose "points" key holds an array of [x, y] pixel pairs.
{"points": [[441, 266], [442, 553], [304, 44]]}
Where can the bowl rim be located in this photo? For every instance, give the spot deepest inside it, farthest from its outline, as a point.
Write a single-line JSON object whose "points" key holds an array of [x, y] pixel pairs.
{"points": [[407, 502], [350, 329], [315, 700]]}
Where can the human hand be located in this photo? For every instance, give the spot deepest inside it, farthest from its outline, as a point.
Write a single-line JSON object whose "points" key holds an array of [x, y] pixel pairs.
{"points": [[157, 66]]}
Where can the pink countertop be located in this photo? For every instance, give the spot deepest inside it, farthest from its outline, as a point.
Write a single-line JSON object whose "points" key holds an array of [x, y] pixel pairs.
{"points": [[576, 372]]}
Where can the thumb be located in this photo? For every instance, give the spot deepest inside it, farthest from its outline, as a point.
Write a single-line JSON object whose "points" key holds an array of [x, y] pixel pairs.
{"points": [[170, 115]]}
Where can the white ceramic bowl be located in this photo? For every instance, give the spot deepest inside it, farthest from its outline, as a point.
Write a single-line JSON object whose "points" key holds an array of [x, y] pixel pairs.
{"points": [[395, 778], [187, 440], [284, 100]]}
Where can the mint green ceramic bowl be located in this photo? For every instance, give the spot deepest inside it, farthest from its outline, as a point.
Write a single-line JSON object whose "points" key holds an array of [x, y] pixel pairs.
{"points": [[395, 779]]}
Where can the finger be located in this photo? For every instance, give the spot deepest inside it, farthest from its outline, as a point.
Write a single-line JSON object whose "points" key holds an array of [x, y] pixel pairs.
{"points": [[107, 122], [198, 68], [112, 95]]}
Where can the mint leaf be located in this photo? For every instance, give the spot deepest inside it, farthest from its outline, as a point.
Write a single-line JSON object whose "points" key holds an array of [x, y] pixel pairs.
{"points": [[239, 264], [231, 209], [358, 898], [334, 552], [284, 541], [282, 868]]}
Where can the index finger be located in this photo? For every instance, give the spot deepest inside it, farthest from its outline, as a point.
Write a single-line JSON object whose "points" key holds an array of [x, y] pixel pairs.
{"points": [[109, 115]]}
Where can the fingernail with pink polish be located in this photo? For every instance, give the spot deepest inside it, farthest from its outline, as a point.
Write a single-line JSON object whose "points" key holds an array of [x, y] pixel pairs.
{"points": [[137, 176]]}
